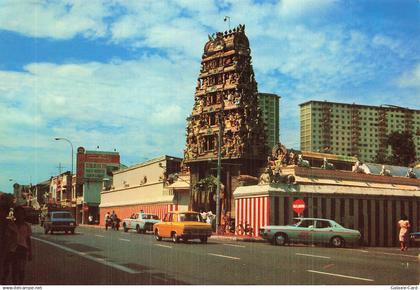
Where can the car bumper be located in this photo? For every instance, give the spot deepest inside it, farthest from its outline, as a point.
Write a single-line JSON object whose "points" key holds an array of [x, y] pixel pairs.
{"points": [[196, 235], [62, 228]]}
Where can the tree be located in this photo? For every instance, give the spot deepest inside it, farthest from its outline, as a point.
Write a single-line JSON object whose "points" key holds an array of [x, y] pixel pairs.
{"points": [[403, 148]]}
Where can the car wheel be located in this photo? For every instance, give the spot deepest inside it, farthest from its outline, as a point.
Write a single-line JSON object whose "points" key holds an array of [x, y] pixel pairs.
{"points": [[45, 230], [51, 232], [280, 239], [72, 231], [337, 242], [157, 237], [125, 228], [175, 237], [66, 232], [203, 240]]}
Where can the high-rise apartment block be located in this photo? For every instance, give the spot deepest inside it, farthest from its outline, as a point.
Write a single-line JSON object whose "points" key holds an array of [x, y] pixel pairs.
{"points": [[270, 104], [354, 130]]}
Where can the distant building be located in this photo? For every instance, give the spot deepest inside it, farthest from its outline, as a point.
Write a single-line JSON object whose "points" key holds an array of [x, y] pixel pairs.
{"points": [[94, 168], [60, 190], [154, 186], [270, 105], [354, 130]]}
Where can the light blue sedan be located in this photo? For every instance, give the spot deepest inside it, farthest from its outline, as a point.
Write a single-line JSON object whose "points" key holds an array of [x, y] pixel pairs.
{"points": [[311, 231]]}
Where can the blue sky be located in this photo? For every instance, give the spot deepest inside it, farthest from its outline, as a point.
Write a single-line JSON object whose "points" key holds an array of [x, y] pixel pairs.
{"points": [[121, 74]]}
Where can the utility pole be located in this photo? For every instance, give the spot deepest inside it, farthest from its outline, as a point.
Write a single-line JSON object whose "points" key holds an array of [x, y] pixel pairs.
{"points": [[219, 168], [59, 167]]}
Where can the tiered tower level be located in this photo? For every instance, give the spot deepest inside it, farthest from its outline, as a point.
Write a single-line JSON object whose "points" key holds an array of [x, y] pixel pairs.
{"points": [[226, 87]]}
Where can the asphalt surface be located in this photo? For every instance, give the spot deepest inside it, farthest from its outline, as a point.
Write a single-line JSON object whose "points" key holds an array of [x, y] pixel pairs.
{"points": [[94, 257]]}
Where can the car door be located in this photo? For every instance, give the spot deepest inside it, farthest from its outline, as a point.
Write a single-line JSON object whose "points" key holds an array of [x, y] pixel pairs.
{"points": [[305, 231], [166, 225], [323, 231]]}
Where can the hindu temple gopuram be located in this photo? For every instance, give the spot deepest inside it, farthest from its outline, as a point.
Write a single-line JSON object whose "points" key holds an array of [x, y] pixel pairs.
{"points": [[226, 89]]}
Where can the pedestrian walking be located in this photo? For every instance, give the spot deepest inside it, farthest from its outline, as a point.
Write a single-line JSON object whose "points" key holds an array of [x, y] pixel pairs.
{"points": [[404, 225], [107, 218], [203, 215], [18, 235], [4, 211]]}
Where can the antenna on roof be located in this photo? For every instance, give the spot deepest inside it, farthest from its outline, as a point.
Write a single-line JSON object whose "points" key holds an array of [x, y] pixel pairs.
{"points": [[393, 106]]}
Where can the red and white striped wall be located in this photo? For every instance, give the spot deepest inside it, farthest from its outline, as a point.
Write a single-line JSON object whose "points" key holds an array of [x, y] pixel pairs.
{"points": [[172, 207], [254, 211], [126, 211]]}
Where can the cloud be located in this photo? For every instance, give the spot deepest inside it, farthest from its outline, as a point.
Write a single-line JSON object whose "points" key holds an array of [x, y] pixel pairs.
{"points": [[411, 79], [298, 8], [60, 20]]}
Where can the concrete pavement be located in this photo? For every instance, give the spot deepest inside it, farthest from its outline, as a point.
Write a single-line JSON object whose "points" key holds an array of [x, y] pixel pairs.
{"points": [[96, 256]]}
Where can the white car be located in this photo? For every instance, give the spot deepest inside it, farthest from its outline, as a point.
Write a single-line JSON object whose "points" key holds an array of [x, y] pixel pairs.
{"points": [[141, 222]]}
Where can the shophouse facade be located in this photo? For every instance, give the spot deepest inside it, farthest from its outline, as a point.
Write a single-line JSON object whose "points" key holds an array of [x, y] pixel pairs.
{"points": [[153, 186]]}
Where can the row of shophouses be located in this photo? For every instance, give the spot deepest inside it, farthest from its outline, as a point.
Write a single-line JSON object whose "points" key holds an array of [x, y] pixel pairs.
{"points": [[369, 202]]}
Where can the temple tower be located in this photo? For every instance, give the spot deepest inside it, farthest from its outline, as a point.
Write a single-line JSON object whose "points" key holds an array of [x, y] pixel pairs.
{"points": [[226, 98]]}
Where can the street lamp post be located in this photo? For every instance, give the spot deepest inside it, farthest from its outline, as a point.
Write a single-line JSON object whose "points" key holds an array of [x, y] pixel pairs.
{"points": [[71, 174], [219, 167]]}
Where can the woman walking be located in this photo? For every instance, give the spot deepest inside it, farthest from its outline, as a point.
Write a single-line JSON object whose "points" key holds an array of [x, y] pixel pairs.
{"points": [[404, 225], [19, 248]]}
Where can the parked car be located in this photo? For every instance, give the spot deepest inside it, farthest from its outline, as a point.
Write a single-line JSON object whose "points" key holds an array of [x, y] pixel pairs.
{"points": [[415, 238], [59, 221], [141, 222], [183, 225], [311, 231]]}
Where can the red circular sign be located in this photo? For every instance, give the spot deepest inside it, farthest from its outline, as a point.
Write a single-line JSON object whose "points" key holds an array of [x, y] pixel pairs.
{"points": [[298, 206]]}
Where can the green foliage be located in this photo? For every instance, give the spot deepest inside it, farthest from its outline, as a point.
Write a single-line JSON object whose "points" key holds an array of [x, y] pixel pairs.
{"points": [[403, 149]]}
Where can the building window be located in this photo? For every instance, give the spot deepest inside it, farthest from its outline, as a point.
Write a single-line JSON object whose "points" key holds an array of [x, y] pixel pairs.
{"points": [[209, 143]]}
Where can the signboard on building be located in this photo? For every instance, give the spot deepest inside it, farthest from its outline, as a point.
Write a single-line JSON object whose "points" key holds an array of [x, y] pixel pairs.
{"points": [[92, 165], [94, 171]]}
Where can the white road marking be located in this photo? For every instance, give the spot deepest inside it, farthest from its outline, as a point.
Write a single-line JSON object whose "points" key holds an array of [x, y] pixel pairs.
{"points": [[232, 245], [125, 240], [228, 257], [165, 246], [315, 256], [84, 255], [100, 236], [356, 250], [342, 276], [393, 254], [384, 253]]}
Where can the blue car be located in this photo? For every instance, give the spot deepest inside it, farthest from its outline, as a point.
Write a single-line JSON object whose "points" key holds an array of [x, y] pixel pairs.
{"points": [[59, 221]]}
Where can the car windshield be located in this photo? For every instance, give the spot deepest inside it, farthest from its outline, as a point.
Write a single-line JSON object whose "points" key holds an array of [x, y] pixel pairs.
{"points": [[306, 224], [150, 217], [295, 223], [190, 217], [62, 215]]}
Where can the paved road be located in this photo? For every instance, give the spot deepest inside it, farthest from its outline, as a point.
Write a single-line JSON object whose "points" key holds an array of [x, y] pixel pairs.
{"points": [[95, 256]]}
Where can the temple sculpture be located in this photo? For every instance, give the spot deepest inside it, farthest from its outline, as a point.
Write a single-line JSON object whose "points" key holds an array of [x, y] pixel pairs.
{"points": [[226, 99]]}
